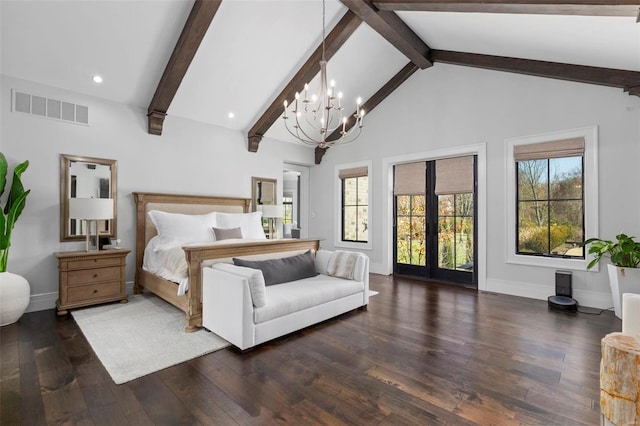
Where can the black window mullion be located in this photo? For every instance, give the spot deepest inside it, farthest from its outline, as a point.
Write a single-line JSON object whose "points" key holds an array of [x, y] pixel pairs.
{"points": [[548, 206], [455, 234]]}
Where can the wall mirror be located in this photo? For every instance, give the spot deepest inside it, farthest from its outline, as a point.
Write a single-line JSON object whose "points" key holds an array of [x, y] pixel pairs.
{"points": [[263, 191], [86, 177]]}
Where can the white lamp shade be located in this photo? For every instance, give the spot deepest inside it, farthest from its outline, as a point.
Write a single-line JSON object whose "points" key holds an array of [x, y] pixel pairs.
{"points": [[271, 210], [91, 208]]}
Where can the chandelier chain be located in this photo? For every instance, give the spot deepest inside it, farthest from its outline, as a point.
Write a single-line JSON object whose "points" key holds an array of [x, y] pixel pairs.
{"points": [[323, 26]]}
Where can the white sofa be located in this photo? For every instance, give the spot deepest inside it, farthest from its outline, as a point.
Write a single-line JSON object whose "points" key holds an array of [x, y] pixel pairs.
{"points": [[228, 300]]}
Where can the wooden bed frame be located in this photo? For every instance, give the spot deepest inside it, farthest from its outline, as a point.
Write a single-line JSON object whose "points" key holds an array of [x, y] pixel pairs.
{"points": [[191, 302]]}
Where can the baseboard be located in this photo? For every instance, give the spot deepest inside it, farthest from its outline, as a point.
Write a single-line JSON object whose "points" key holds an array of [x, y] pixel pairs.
{"points": [[378, 268], [590, 299], [44, 301]]}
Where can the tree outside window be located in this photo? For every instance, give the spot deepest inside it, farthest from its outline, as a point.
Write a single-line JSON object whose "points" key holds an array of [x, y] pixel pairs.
{"points": [[550, 207], [455, 231], [411, 239]]}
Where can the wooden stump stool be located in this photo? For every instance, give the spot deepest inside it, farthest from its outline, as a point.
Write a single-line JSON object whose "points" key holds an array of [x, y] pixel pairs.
{"points": [[620, 379]]}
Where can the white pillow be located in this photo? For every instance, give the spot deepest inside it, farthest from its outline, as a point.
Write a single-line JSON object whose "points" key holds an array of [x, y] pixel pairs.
{"points": [[249, 223], [184, 228]]}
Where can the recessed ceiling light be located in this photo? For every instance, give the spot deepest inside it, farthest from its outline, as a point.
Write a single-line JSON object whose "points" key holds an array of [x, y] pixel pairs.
{"points": [[231, 115], [97, 79]]}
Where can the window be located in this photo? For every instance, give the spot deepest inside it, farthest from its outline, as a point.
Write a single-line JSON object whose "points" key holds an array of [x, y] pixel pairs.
{"points": [[287, 202], [354, 209], [353, 216], [455, 231], [552, 187], [550, 207], [455, 195], [410, 188]]}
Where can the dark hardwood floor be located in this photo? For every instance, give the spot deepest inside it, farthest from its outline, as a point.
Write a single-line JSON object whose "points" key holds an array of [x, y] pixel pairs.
{"points": [[423, 353]]}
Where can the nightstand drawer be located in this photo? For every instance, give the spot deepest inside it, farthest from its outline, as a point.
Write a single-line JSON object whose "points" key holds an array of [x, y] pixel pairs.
{"points": [[93, 276], [95, 291], [94, 263]]}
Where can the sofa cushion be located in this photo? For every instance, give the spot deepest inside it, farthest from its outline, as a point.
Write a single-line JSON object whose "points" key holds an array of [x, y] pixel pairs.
{"points": [[360, 269], [290, 297], [342, 264], [284, 269]]}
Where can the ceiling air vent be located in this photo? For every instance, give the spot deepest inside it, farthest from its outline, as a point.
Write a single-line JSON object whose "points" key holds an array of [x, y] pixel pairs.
{"points": [[49, 108]]}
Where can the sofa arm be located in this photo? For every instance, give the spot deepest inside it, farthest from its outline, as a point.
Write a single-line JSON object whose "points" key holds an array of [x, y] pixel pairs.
{"points": [[227, 308]]}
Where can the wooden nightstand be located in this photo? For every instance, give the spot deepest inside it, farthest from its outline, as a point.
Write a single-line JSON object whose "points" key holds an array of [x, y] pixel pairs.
{"points": [[89, 278]]}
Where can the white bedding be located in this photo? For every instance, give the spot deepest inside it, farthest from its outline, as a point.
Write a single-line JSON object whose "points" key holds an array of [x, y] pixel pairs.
{"points": [[168, 260]]}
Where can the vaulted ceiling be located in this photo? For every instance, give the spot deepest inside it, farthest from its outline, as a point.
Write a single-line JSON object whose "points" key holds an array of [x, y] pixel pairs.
{"points": [[206, 59]]}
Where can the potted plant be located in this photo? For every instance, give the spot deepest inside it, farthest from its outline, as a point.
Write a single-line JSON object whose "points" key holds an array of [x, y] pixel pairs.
{"points": [[14, 289], [624, 271]]}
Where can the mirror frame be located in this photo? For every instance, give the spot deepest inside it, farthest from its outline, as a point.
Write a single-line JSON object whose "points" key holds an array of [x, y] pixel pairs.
{"points": [[65, 162], [254, 191]]}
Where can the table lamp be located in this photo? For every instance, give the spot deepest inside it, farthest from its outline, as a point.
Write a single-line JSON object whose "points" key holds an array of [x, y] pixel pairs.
{"points": [[91, 210], [271, 212]]}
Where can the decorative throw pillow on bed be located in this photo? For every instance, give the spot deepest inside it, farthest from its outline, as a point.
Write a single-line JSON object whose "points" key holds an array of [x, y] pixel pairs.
{"points": [[250, 223], [276, 271], [227, 233], [184, 228]]}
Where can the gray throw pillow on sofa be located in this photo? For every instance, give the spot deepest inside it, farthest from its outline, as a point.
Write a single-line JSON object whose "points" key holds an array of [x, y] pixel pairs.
{"points": [[276, 271]]}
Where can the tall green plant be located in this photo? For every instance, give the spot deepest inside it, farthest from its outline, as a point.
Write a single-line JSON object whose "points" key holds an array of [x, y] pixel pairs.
{"points": [[13, 208], [624, 252]]}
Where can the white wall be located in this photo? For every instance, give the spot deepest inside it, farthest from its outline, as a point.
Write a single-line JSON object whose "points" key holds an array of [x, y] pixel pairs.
{"points": [[438, 109], [449, 107], [189, 158]]}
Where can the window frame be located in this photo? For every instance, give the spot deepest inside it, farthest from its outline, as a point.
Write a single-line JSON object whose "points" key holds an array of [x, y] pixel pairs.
{"points": [[357, 206], [338, 215], [590, 198]]}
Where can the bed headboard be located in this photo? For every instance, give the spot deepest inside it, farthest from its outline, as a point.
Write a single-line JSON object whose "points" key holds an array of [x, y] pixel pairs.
{"points": [[176, 203]]}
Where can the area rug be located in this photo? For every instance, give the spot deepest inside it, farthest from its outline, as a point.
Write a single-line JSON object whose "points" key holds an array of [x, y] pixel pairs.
{"points": [[143, 336]]}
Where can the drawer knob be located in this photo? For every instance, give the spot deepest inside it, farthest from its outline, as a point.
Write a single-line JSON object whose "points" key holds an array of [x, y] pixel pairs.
{"points": [[95, 275], [95, 291]]}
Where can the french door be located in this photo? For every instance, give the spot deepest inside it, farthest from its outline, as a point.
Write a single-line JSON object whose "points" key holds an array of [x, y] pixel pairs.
{"points": [[435, 217]]}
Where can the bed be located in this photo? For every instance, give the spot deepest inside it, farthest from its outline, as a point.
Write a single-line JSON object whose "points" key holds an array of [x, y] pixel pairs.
{"points": [[196, 255]]}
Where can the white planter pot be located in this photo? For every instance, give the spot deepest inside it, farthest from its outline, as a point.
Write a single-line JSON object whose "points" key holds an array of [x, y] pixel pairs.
{"points": [[14, 297], [622, 280]]}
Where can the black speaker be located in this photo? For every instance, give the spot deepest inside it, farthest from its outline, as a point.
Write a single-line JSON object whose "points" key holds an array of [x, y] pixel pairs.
{"points": [[563, 284]]}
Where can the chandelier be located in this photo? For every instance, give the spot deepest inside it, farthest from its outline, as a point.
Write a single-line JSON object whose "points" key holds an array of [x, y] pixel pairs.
{"points": [[318, 117]]}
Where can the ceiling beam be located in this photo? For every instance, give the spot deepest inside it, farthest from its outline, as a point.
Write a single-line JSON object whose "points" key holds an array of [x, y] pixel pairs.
{"points": [[334, 40], [375, 100], [195, 28], [393, 29], [544, 7], [627, 80]]}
